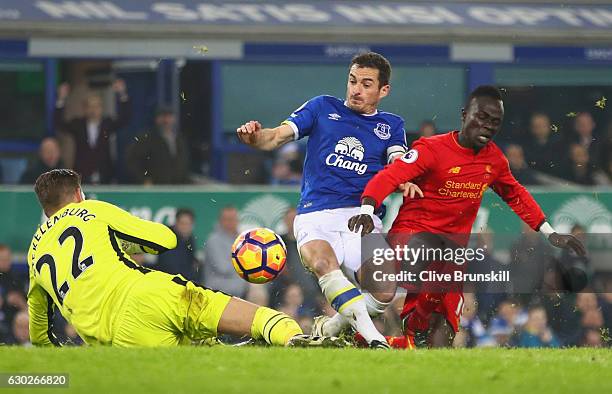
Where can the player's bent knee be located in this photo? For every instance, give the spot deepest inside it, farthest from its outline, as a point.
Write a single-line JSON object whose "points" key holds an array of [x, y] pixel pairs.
{"points": [[322, 266], [319, 257]]}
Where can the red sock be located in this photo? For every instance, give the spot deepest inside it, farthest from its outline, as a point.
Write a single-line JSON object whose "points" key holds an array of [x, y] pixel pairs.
{"points": [[360, 340], [402, 342], [398, 342]]}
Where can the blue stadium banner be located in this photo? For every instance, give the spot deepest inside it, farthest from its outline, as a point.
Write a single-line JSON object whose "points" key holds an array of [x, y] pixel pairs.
{"points": [[546, 17]]}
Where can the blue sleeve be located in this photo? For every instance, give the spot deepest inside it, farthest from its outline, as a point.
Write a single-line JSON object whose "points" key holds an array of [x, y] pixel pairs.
{"points": [[397, 142], [398, 135], [303, 119]]}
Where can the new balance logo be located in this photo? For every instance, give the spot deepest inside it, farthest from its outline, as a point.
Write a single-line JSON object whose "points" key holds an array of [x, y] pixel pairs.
{"points": [[333, 117], [454, 170]]}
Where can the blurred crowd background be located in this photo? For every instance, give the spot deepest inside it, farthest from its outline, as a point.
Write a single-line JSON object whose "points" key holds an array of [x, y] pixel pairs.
{"points": [[141, 97], [110, 138]]}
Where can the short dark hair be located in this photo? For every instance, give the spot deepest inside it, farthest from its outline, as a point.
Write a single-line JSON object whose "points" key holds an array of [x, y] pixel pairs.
{"points": [[184, 211], [377, 61], [483, 91], [54, 187]]}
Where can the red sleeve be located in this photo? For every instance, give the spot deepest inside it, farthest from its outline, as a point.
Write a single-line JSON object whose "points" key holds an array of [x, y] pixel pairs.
{"points": [[414, 163], [517, 197]]}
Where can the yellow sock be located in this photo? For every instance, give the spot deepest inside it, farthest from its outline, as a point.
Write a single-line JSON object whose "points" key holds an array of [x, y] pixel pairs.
{"points": [[274, 327]]}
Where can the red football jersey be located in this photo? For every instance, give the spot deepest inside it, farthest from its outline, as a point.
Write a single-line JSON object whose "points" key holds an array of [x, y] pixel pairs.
{"points": [[453, 179]]}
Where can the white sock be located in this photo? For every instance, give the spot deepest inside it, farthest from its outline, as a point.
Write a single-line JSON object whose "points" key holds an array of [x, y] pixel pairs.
{"points": [[337, 323], [348, 301], [375, 307]]}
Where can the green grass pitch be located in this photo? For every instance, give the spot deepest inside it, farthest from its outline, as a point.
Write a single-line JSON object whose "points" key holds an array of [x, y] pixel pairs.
{"points": [[249, 370]]}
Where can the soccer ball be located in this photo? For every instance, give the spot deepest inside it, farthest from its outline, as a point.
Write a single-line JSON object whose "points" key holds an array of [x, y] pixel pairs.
{"points": [[259, 255]]}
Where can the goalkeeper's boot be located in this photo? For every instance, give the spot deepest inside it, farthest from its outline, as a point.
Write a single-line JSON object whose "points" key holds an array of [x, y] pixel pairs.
{"points": [[303, 340]]}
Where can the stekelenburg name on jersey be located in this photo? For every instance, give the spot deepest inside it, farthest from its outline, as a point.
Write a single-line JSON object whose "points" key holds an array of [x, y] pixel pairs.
{"points": [[82, 213]]}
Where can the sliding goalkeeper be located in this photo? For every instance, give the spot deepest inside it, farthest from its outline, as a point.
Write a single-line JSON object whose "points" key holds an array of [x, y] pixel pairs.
{"points": [[79, 263]]}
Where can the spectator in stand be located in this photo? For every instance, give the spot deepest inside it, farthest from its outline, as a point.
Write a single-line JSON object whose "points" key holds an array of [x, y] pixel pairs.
{"points": [[181, 260], [13, 286], [591, 314], [592, 338], [603, 174], [542, 148], [530, 257], [564, 318], [293, 300], [91, 133], [20, 330], [161, 156], [218, 270], [518, 165], [10, 278], [586, 301], [49, 158], [473, 332], [285, 173], [427, 128], [580, 168], [500, 333], [575, 269], [258, 294], [508, 321], [287, 167], [536, 332], [488, 294], [584, 135]]}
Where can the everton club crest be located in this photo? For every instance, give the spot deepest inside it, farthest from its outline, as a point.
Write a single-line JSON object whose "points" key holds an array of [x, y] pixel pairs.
{"points": [[383, 131]]}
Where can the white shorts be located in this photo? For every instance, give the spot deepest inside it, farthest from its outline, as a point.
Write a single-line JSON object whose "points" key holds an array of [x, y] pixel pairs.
{"points": [[331, 225]]}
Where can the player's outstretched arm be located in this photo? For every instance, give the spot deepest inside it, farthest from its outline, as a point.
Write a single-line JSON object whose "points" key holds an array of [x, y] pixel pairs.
{"points": [[253, 134], [525, 206], [150, 237]]}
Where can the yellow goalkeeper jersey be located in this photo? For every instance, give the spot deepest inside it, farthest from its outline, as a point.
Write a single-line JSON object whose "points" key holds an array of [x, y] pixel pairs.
{"points": [[78, 263]]}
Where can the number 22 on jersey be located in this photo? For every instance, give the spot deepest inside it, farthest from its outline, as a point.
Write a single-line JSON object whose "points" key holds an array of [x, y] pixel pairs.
{"points": [[78, 265]]}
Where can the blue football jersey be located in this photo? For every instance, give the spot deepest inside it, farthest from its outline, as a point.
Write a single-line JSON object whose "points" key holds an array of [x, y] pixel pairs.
{"points": [[344, 151]]}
